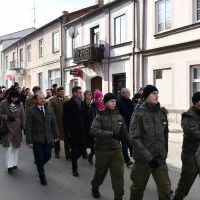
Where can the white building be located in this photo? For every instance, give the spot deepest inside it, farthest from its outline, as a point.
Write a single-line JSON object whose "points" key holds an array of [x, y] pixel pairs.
{"points": [[168, 49], [5, 41], [99, 50]]}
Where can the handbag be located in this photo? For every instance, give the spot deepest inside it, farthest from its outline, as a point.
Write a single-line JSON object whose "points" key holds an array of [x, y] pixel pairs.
{"points": [[3, 128]]}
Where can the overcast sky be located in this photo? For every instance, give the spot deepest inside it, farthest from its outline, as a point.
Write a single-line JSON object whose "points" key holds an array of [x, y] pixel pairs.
{"points": [[16, 15]]}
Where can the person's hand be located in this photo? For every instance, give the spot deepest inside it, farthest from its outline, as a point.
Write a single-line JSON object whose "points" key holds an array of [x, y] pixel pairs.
{"points": [[11, 118], [30, 145], [154, 163], [56, 140], [116, 136]]}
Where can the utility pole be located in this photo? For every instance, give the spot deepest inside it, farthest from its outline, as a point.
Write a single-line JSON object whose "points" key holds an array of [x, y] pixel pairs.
{"points": [[34, 16]]}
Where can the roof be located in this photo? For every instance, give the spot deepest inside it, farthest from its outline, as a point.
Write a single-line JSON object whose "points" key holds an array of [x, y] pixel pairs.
{"points": [[96, 11], [66, 17], [17, 35]]}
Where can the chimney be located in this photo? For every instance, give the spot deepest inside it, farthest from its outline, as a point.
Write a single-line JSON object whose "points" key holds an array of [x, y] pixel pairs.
{"points": [[100, 2]]}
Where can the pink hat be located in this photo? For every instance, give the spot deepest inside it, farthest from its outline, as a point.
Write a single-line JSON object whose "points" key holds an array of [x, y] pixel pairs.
{"points": [[97, 94]]}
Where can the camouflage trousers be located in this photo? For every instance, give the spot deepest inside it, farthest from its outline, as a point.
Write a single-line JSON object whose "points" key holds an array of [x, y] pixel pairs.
{"points": [[140, 174], [110, 160], [189, 172]]}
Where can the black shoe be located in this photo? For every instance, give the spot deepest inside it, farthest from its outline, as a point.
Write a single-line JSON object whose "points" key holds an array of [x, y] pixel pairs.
{"points": [[57, 156], [76, 174], [95, 193], [68, 157], [90, 159], [10, 170], [15, 167], [84, 155], [43, 180]]}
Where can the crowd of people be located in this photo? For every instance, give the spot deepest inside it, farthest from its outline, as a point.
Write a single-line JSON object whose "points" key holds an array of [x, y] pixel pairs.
{"points": [[103, 129]]}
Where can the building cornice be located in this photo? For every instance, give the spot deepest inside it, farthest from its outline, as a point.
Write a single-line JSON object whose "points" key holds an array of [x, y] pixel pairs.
{"points": [[170, 48], [177, 30]]}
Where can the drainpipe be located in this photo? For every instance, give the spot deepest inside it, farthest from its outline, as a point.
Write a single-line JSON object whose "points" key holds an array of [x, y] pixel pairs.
{"points": [[109, 50], [134, 43], [62, 49]]}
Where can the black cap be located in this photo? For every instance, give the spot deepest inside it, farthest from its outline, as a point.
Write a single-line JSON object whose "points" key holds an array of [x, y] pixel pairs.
{"points": [[148, 89], [14, 93], [54, 85], [107, 97], [196, 97]]}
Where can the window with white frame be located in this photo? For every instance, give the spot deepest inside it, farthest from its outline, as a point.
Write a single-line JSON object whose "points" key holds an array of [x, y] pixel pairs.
{"points": [[120, 29], [163, 15], [54, 77], [197, 10], [195, 73], [41, 48], [21, 58], [40, 80], [56, 42], [29, 53], [6, 62]]}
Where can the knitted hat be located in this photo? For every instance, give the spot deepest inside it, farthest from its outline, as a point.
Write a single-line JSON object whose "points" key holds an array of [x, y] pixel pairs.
{"points": [[97, 94], [196, 97], [148, 89], [107, 97], [13, 93]]}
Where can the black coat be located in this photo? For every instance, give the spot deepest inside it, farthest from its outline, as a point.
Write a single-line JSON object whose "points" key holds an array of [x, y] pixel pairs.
{"points": [[74, 120], [125, 108]]}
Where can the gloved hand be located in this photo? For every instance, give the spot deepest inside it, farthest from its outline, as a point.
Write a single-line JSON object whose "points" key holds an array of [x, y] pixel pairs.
{"points": [[154, 163], [11, 118], [116, 136]]}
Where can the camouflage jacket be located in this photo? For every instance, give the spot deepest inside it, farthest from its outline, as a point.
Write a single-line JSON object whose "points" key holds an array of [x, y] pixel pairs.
{"points": [[104, 125], [149, 132], [191, 128]]}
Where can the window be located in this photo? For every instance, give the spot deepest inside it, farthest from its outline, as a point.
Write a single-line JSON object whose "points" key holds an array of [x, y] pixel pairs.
{"points": [[197, 10], [6, 63], [41, 48], [94, 35], [195, 79], [14, 56], [54, 77], [21, 58], [120, 29], [40, 80], [163, 15], [29, 53], [56, 42]]}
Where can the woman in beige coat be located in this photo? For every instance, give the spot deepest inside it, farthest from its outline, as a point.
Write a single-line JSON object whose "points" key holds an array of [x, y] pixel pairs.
{"points": [[12, 111]]}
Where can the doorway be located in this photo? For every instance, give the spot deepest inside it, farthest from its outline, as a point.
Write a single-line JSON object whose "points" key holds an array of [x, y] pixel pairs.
{"points": [[119, 82], [96, 83]]}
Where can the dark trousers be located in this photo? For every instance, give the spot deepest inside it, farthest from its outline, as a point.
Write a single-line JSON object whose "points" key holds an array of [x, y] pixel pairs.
{"points": [[42, 154], [66, 148], [76, 152], [125, 148]]}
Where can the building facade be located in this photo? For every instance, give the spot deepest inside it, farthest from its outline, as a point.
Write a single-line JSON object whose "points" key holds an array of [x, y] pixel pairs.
{"points": [[170, 51], [99, 51]]}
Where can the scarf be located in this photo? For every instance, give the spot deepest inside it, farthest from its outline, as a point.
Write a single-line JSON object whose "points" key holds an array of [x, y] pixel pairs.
{"points": [[12, 107], [99, 105]]}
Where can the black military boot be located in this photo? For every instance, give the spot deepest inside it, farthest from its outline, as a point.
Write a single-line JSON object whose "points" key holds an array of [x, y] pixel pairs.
{"points": [[43, 180], [95, 193]]}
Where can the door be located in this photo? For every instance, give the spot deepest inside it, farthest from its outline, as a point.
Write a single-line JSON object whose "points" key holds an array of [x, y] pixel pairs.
{"points": [[119, 82], [96, 83]]}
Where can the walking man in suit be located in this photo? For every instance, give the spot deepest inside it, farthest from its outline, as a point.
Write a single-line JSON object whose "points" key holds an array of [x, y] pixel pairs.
{"points": [[41, 131]]}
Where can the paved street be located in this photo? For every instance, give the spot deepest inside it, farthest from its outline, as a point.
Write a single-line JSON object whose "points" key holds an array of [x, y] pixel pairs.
{"points": [[24, 184]]}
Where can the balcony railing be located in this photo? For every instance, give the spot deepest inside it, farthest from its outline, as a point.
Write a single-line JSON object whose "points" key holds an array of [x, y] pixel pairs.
{"points": [[14, 66], [88, 53]]}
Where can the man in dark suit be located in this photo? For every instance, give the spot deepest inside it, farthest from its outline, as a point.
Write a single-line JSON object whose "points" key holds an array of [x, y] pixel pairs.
{"points": [[41, 131], [74, 126]]}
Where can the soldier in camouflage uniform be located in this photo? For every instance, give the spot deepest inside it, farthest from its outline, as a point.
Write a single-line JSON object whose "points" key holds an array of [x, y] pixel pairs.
{"points": [[108, 129], [191, 143], [149, 137]]}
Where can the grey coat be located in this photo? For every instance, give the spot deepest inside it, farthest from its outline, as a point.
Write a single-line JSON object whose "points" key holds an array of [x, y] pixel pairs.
{"points": [[40, 128], [14, 135]]}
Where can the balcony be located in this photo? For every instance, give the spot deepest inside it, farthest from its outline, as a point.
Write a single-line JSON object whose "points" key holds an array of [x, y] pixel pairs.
{"points": [[14, 66], [91, 53]]}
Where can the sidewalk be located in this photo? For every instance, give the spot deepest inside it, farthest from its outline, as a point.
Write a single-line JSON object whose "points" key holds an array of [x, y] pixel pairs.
{"points": [[175, 133]]}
